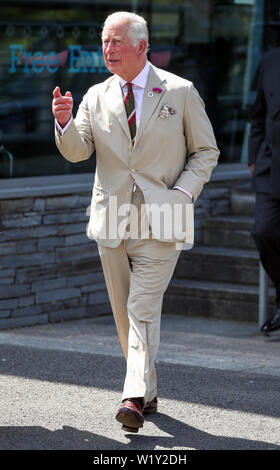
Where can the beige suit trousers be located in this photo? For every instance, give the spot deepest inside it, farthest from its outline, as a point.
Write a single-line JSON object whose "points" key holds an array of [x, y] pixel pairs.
{"points": [[137, 273]]}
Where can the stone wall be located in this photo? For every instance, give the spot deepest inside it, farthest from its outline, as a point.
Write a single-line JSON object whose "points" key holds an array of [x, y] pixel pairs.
{"points": [[49, 269]]}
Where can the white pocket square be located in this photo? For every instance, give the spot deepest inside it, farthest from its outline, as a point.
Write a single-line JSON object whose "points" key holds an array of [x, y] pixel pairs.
{"points": [[166, 111]]}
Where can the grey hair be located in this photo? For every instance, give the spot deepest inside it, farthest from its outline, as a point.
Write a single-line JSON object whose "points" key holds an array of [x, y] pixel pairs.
{"points": [[137, 28]]}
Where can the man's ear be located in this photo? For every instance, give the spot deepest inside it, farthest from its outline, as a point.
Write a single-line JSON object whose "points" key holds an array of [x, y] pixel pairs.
{"points": [[142, 46]]}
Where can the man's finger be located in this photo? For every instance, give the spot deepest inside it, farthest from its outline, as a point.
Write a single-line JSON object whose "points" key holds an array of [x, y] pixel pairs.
{"points": [[62, 106], [56, 92], [68, 93]]}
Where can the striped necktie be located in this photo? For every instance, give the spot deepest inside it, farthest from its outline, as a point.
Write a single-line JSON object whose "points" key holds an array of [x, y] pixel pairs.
{"points": [[130, 110]]}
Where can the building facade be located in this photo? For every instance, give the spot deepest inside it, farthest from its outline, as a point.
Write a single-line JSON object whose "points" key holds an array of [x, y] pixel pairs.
{"points": [[215, 43], [49, 270]]}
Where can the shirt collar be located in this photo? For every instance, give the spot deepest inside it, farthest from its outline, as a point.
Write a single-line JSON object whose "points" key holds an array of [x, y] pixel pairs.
{"points": [[141, 79]]}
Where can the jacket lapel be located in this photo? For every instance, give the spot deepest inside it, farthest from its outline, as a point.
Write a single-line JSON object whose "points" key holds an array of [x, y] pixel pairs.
{"points": [[114, 97], [151, 100]]}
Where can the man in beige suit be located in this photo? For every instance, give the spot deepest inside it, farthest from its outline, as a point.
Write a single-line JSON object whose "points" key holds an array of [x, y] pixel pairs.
{"points": [[155, 149]]}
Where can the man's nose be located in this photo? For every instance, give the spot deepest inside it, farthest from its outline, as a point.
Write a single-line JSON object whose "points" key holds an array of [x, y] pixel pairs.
{"points": [[109, 46]]}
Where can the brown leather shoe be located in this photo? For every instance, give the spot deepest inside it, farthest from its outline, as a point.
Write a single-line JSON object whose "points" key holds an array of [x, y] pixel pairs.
{"points": [[130, 415], [151, 406]]}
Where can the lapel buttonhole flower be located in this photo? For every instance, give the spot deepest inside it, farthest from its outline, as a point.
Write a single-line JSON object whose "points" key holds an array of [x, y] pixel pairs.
{"points": [[157, 90]]}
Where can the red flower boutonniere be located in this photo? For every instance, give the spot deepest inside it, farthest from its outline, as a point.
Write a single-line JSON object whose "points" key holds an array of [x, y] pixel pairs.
{"points": [[157, 90]]}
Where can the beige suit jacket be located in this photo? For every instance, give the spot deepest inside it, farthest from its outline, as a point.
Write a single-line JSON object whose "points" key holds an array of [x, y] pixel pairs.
{"points": [[178, 150]]}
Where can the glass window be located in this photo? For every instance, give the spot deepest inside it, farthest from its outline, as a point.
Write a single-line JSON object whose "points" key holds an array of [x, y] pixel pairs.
{"points": [[215, 43], [44, 44]]}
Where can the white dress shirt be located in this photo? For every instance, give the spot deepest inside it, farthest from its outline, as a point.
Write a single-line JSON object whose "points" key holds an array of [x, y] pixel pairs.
{"points": [[138, 87]]}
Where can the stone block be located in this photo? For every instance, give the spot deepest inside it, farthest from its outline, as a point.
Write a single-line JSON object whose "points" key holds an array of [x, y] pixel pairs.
{"points": [[30, 274], [26, 301], [90, 279], [91, 265], [34, 232], [23, 321], [99, 309], [50, 242], [49, 306], [76, 239], [71, 228], [65, 269], [76, 252], [8, 303], [58, 294], [7, 272], [21, 260], [65, 217], [5, 313], [67, 202], [7, 248], [21, 220], [100, 286], [15, 206], [67, 314], [27, 311], [83, 300], [39, 205], [85, 311], [48, 284], [27, 246], [7, 292], [73, 302], [100, 297]]}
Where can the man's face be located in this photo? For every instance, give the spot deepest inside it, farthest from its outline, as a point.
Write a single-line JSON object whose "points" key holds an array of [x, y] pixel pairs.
{"points": [[120, 55]]}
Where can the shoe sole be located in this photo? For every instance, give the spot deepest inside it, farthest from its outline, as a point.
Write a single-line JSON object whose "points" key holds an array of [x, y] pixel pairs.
{"points": [[150, 411], [129, 429], [129, 419]]}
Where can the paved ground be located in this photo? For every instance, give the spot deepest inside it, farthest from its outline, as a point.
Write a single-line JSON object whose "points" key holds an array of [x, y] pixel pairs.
{"points": [[219, 384]]}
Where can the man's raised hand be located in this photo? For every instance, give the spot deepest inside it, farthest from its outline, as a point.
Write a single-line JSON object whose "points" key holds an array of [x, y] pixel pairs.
{"points": [[62, 106]]}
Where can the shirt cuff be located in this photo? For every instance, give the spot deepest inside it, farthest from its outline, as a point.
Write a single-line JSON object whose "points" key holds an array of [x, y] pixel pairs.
{"points": [[184, 191], [62, 130]]}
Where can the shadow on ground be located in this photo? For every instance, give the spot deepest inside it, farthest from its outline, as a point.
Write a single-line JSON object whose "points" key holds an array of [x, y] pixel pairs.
{"points": [[180, 436], [232, 390]]}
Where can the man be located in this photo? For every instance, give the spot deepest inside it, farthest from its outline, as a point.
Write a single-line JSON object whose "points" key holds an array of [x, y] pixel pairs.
{"points": [[142, 122], [264, 162]]}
